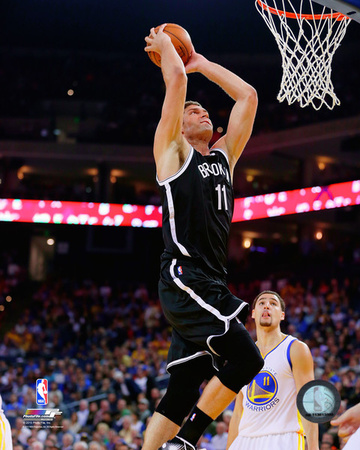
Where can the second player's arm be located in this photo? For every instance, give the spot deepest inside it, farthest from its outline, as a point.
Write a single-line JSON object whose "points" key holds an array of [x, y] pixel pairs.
{"points": [[235, 420], [303, 370], [243, 113]]}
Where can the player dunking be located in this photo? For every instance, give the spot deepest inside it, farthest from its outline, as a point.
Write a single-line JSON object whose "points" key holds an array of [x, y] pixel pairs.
{"points": [[265, 415], [197, 199]]}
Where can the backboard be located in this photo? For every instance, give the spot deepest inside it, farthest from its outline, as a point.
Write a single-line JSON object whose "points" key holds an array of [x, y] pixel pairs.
{"points": [[350, 8]]}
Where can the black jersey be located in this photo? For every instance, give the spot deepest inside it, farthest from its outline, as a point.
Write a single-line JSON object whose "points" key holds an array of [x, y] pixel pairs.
{"points": [[198, 204]]}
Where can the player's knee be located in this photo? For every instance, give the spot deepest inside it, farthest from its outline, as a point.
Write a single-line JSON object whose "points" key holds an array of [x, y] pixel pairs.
{"points": [[243, 357], [177, 404], [184, 389], [235, 375]]}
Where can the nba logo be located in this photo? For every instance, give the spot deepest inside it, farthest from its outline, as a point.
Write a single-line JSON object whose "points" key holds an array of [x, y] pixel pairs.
{"points": [[42, 391]]}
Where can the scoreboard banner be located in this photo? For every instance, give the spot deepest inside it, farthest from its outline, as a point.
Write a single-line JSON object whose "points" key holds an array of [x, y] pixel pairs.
{"points": [[276, 204]]}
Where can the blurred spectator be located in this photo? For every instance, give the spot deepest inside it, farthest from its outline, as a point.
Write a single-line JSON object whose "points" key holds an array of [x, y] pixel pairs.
{"points": [[65, 431], [83, 413], [205, 442], [127, 432], [21, 432], [219, 440], [80, 446], [37, 445], [226, 417], [143, 409], [104, 408], [67, 441]]}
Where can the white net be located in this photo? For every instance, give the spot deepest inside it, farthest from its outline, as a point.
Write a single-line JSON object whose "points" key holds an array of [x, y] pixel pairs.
{"points": [[307, 41]]}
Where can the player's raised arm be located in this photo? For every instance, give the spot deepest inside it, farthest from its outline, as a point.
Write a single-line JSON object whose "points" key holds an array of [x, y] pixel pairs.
{"points": [[168, 142], [243, 112], [303, 370]]}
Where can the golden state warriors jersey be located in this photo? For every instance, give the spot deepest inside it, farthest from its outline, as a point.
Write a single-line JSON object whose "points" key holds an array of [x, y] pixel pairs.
{"points": [[269, 401]]}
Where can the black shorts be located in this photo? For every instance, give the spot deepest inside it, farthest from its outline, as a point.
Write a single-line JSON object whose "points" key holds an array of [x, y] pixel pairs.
{"points": [[199, 307]]}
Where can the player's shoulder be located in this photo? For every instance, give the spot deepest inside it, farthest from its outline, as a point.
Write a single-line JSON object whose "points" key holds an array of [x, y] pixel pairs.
{"points": [[299, 351], [299, 345], [221, 152], [173, 162], [220, 145]]}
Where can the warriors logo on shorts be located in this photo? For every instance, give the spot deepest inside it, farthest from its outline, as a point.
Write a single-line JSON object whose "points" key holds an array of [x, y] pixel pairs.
{"points": [[262, 389]]}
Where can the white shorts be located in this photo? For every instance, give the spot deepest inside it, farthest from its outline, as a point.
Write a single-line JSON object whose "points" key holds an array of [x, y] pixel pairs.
{"points": [[284, 441], [5, 433]]}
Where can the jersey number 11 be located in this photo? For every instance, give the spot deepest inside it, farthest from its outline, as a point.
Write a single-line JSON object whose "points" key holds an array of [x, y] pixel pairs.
{"points": [[222, 200]]}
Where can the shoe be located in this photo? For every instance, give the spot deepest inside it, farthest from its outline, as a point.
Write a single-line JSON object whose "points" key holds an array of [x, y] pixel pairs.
{"points": [[177, 443]]}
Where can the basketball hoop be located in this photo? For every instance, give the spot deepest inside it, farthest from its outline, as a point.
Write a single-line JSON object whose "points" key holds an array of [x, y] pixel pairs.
{"points": [[307, 42]]}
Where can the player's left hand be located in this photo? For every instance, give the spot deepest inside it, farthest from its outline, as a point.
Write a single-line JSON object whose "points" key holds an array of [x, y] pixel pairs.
{"points": [[195, 62], [157, 40]]}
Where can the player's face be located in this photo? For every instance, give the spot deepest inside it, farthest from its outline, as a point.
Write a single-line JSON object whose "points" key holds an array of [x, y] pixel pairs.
{"points": [[196, 123], [267, 311]]}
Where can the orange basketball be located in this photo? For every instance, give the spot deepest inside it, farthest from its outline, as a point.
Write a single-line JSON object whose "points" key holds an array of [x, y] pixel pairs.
{"points": [[181, 41]]}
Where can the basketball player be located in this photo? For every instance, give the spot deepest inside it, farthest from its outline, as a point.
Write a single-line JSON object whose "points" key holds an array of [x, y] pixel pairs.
{"points": [[197, 200], [265, 415], [5, 430]]}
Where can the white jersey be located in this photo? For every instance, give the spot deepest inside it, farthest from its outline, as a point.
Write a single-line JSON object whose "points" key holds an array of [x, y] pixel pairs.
{"points": [[269, 401], [5, 431]]}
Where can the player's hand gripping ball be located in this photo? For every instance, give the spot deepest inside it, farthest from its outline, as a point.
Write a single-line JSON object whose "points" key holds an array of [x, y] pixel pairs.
{"points": [[180, 39]]}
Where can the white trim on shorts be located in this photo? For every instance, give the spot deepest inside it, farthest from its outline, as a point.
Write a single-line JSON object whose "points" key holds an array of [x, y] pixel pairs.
{"points": [[202, 303], [189, 358]]}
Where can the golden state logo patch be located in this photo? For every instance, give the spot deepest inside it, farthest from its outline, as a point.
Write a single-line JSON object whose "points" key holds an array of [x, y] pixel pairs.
{"points": [[262, 389]]}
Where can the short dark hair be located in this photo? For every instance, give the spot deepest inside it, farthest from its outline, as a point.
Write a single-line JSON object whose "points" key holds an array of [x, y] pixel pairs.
{"points": [[282, 303], [191, 102]]}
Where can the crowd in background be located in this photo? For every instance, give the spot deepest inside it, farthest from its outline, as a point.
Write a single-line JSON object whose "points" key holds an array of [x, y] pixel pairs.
{"points": [[103, 347]]}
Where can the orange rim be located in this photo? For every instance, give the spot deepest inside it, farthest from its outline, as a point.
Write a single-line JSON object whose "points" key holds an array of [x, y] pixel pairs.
{"points": [[290, 15]]}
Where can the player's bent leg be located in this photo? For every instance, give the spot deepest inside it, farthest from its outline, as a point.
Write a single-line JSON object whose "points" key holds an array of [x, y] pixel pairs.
{"points": [[159, 430], [181, 395], [244, 361], [184, 388], [243, 357], [215, 398]]}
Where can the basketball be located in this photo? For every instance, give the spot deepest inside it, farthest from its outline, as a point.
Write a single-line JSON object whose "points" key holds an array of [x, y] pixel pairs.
{"points": [[180, 39]]}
